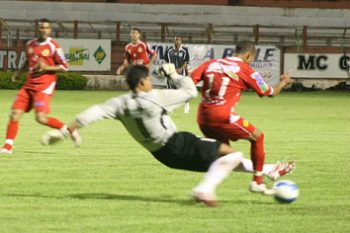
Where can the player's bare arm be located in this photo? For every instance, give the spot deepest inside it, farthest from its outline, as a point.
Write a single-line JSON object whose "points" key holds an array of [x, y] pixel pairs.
{"points": [[42, 67], [153, 59], [285, 80], [123, 67], [21, 70]]}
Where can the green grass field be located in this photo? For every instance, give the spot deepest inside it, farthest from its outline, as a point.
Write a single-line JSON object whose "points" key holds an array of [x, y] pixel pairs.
{"points": [[111, 184]]}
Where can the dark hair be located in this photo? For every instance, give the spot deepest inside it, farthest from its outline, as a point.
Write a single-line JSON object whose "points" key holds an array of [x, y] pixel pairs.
{"points": [[136, 29], [44, 20], [244, 46], [135, 74]]}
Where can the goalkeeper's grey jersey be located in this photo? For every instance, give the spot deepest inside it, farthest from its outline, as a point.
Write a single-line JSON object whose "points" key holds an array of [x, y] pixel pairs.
{"points": [[144, 115]]}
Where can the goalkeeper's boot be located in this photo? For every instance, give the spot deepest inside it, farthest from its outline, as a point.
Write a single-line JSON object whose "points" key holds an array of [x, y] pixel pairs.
{"points": [[281, 169], [207, 198], [260, 188]]}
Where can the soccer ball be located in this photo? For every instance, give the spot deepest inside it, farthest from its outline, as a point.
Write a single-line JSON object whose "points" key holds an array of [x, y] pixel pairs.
{"points": [[286, 191]]}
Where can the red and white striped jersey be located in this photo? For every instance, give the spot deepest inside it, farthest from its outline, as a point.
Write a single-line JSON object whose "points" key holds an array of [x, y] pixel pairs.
{"points": [[223, 82], [138, 54], [51, 54]]}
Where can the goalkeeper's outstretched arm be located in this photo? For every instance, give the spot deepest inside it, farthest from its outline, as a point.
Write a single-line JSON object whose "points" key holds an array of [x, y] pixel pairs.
{"points": [[108, 110]]}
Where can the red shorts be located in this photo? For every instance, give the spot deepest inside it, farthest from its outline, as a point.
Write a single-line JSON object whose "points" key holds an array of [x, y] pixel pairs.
{"points": [[240, 129], [27, 99]]}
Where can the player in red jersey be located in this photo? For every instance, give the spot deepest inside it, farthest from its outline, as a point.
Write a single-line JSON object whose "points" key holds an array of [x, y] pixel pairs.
{"points": [[223, 82], [44, 59], [137, 52]]}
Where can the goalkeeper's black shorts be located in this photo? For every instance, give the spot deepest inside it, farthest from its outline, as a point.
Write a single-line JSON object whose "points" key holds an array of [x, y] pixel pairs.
{"points": [[188, 152]]}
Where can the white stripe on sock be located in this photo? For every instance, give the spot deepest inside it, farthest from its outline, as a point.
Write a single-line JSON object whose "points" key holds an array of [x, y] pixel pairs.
{"points": [[9, 141]]}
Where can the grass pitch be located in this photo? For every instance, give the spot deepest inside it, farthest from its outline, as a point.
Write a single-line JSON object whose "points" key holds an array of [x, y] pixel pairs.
{"points": [[112, 184]]}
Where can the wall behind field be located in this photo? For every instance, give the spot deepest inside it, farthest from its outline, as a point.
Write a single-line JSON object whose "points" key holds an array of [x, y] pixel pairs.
{"points": [[221, 15]]}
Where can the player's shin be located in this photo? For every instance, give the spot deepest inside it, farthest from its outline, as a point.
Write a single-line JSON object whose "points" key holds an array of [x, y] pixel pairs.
{"points": [[54, 123], [12, 130], [217, 172], [258, 158]]}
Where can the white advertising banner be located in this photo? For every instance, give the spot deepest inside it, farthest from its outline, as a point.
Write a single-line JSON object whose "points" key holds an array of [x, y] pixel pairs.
{"points": [[87, 54], [317, 65], [267, 60]]}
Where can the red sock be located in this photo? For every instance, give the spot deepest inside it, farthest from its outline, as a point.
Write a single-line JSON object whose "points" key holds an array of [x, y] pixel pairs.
{"points": [[12, 129], [54, 123], [258, 157]]}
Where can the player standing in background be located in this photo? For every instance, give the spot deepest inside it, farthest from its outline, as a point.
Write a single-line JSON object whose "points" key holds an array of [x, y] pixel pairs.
{"points": [[137, 53], [224, 80], [44, 59], [180, 57]]}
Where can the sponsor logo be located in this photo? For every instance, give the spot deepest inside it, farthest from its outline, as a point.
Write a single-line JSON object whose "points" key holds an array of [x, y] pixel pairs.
{"points": [[260, 81], [245, 123], [230, 69], [77, 56], [30, 50], [39, 104], [100, 55], [45, 52]]}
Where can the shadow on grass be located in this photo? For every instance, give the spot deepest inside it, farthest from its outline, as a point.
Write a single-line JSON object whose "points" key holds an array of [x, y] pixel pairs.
{"points": [[106, 196], [36, 152], [126, 197]]}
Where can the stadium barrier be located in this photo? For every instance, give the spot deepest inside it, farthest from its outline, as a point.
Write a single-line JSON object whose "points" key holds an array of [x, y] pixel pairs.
{"points": [[106, 82], [65, 81]]}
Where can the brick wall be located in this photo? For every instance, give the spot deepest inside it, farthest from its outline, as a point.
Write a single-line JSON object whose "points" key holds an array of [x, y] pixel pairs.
{"points": [[330, 4], [193, 2]]}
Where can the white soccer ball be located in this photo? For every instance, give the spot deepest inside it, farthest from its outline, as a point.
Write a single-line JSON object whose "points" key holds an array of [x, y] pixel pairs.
{"points": [[286, 191]]}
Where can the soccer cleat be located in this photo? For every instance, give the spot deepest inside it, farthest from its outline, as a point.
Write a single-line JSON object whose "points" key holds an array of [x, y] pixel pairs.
{"points": [[209, 198], [281, 169], [52, 137], [3, 150], [56, 135], [6, 149], [260, 188]]}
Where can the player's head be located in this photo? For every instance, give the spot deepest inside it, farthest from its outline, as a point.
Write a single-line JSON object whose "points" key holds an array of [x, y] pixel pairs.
{"points": [[135, 34], [177, 41], [44, 28], [245, 50], [138, 79]]}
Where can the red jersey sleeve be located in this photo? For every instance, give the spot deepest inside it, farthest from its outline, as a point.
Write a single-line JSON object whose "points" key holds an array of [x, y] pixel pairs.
{"points": [[198, 74], [255, 81], [59, 57]]}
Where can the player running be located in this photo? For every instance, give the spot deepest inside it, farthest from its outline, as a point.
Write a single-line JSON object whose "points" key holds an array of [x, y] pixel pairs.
{"points": [[44, 59], [224, 80], [137, 53]]}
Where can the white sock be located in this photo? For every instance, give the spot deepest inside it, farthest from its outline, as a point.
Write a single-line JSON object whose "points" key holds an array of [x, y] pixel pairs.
{"points": [[247, 166], [218, 171], [9, 141]]}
